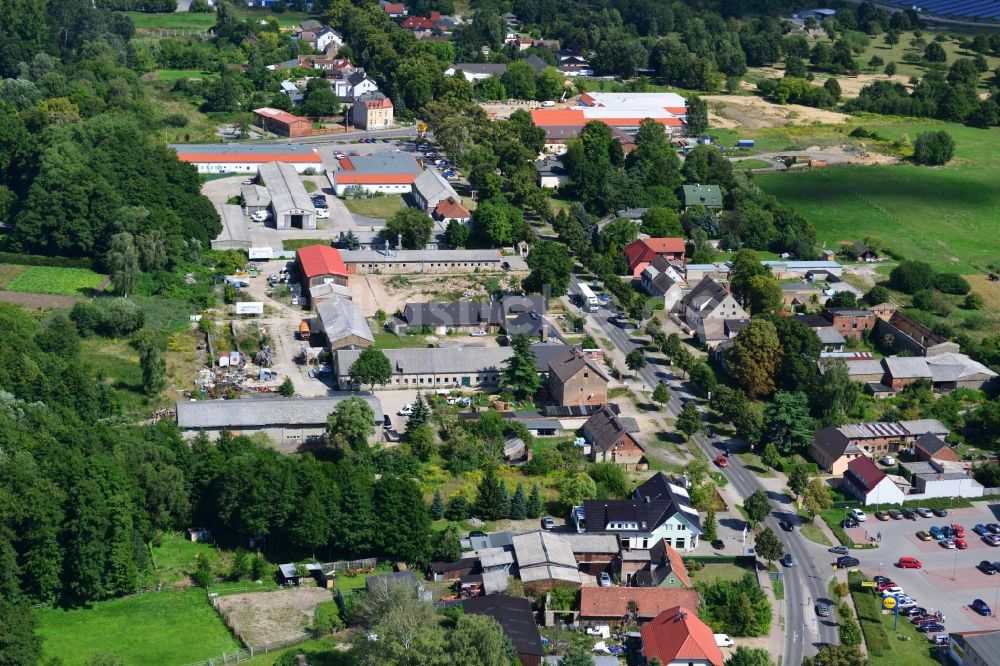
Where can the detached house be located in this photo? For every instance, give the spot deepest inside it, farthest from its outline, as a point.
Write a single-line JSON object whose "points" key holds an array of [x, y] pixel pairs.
{"points": [[575, 379], [610, 441], [710, 301], [642, 252], [371, 111], [677, 637], [661, 278], [325, 38], [864, 481]]}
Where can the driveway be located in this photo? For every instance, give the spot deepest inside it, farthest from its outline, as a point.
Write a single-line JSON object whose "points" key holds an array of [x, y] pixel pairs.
{"points": [[949, 579]]}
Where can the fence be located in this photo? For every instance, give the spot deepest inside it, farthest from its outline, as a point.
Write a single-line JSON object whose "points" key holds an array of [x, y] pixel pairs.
{"points": [[251, 651], [252, 648]]}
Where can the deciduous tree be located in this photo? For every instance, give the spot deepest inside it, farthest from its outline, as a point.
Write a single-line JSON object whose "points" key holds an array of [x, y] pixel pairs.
{"points": [[753, 357], [372, 367], [768, 545]]}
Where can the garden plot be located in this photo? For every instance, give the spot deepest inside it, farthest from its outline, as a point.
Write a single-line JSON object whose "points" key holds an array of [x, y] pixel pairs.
{"points": [[269, 617]]}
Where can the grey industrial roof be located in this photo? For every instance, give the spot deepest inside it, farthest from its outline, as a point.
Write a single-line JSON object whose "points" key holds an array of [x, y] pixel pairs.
{"points": [[828, 335], [907, 366], [244, 148], [384, 162], [419, 256], [320, 292], [592, 543], [432, 186], [341, 318], [285, 187], [495, 557], [942, 364], [263, 412], [857, 367], [919, 427], [235, 226], [436, 360], [538, 547], [255, 195]]}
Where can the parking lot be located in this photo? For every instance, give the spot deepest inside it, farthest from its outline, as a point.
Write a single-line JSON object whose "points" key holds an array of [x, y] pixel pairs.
{"points": [[949, 580]]}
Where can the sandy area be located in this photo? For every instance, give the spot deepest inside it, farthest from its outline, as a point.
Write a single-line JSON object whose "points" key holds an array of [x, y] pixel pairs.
{"points": [[389, 293], [263, 617], [757, 113]]}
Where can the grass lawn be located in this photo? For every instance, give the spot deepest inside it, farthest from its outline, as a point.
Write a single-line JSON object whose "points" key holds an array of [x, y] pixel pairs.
{"points": [[172, 75], [884, 648], [380, 207], [176, 557], [296, 243], [722, 571], [387, 340], [119, 363], [153, 628], [779, 589], [52, 280], [753, 463], [204, 21], [815, 534], [941, 215]]}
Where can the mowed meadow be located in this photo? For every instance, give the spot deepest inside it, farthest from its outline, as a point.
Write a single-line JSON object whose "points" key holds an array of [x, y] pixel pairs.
{"points": [[947, 216]]}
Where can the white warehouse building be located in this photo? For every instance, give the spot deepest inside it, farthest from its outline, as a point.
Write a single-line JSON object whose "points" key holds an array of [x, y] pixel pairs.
{"points": [[246, 158], [290, 203]]}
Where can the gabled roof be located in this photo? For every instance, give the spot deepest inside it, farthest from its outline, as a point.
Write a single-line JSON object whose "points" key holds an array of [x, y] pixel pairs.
{"points": [[319, 260], [604, 430], [514, 615], [677, 566], [907, 367], [648, 249], [451, 209], [865, 472], [432, 186], [279, 115], [341, 318], [259, 412], [571, 362], [931, 444], [601, 602], [464, 564], [536, 63], [678, 635], [648, 514], [705, 295], [544, 556], [462, 313]]}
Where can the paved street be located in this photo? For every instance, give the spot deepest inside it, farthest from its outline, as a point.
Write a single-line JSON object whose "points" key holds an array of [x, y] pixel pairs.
{"points": [[804, 583]]}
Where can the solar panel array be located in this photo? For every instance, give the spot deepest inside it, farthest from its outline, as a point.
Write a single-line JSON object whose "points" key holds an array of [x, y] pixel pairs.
{"points": [[985, 9]]}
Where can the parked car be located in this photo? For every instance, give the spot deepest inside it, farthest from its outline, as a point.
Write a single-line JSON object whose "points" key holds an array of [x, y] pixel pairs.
{"points": [[940, 639], [958, 530], [931, 627], [405, 410], [847, 561], [909, 514], [888, 460], [948, 544], [322, 214], [386, 140], [719, 544], [881, 579], [903, 604], [788, 560], [260, 216], [981, 607], [839, 550], [604, 579], [909, 563], [721, 461], [895, 514], [912, 611], [848, 523], [340, 155], [822, 609], [993, 528], [386, 421], [936, 532], [960, 544], [940, 513], [786, 525], [858, 515], [924, 536], [548, 522], [948, 532], [722, 640], [882, 515], [925, 513], [892, 591], [248, 181], [987, 568], [992, 540], [478, 333], [981, 530]]}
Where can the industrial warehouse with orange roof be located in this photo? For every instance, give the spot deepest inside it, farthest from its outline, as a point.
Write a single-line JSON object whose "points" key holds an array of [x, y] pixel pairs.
{"points": [[246, 158], [321, 264], [386, 172]]}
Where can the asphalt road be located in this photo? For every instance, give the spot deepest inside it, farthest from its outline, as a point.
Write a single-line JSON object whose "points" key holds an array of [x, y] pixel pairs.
{"points": [[805, 582]]}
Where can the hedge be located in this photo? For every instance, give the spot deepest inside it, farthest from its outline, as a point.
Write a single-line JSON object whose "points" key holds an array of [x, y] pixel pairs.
{"points": [[36, 260], [870, 615]]}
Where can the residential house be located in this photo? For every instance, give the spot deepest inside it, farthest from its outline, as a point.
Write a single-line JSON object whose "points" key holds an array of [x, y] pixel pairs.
{"points": [[325, 38], [906, 334], [430, 188], [551, 174], [643, 251], [354, 84], [517, 620], [417, 23], [343, 324], [594, 552], [475, 72], [536, 64], [865, 482], [610, 605], [835, 447], [393, 9], [610, 441], [451, 210], [931, 447], [830, 339], [573, 63], [661, 278], [664, 568], [372, 110], [798, 295], [320, 264], [862, 252], [677, 637], [660, 511], [710, 300], [575, 379], [709, 196], [545, 559], [852, 323]]}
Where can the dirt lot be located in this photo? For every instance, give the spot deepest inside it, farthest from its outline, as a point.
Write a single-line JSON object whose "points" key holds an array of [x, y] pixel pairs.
{"points": [[38, 301], [731, 111], [391, 292], [264, 617]]}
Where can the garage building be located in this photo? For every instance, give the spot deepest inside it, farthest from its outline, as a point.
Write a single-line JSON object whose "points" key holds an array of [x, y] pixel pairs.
{"points": [[282, 122], [290, 203], [235, 234], [284, 420], [343, 324], [255, 198], [320, 264], [246, 158]]}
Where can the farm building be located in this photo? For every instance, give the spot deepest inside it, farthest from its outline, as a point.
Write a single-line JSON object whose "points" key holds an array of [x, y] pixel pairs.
{"points": [[320, 264], [544, 559], [909, 335], [255, 198], [235, 234], [290, 203], [282, 122], [608, 605], [433, 368], [421, 261], [343, 324], [576, 379], [246, 158], [389, 173], [284, 420], [430, 188]]}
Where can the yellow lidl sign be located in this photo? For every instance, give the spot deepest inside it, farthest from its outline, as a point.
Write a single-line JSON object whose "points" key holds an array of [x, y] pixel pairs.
{"points": [[889, 603]]}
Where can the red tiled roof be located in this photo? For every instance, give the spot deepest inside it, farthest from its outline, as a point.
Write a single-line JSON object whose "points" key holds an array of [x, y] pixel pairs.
{"points": [[677, 565], [237, 156], [319, 260], [866, 471], [374, 178], [449, 208], [279, 115], [394, 8], [384, 103], [601, 602], [648, 249], [418, 22], [678, 635]]}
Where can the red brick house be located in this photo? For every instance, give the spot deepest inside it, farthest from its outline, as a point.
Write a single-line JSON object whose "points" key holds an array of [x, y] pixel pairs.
{"points": [[610, 441], [642, 252], [931, 447], [282, 122], [851, 322], [575, 379]]}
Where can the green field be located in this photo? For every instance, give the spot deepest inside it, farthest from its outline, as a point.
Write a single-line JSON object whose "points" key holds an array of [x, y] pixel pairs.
{"points": [[296, 243], [153, 628], [386, 340], [944, 215], [51, 280], [172, 75], [203, 21], [380, 207], [176, 557]]}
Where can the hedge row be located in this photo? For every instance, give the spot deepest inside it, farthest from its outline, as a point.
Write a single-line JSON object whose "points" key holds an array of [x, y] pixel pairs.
{"points": [[870, 615], [35, 260]]}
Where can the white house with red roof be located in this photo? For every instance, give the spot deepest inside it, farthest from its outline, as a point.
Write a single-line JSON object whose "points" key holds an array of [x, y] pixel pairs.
{"points": [[617, 110], [246, 158], [644, 251], [677, 637], [390, 173], [864, 481]]}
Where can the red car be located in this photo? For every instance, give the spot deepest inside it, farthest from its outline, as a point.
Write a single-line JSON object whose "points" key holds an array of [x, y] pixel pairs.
{"points": [[721, 461], [909, 563], [882, 587], [960, 544], [958, 530]]}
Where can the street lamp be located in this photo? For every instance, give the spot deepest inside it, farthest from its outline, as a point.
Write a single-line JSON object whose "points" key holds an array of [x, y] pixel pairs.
{"points": [[954, 569]]}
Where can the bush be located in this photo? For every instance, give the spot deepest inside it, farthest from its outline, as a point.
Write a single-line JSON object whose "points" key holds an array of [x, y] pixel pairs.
{"points": [[726, 609], [327, 619], [929, 300], [933, 148], [973, 302], [910, 277], [870, 614], [952, 283]]}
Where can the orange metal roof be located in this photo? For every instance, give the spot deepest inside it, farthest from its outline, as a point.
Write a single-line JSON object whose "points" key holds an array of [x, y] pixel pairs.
{"points": [[374, 178], [577, 117], [320, 260], [279, 115], [680, 110], [261, 158]]}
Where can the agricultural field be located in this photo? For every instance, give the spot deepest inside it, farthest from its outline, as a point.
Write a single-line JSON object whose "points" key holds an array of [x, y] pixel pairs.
{"points": [[380, 207], [944, 215], [203, 21], [50, 280], [154, 628]]}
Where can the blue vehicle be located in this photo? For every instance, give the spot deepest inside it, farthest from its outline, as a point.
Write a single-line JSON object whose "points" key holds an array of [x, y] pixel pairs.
{"points": [[980, 529], [948, 532], [936, 532], [981, 607]]}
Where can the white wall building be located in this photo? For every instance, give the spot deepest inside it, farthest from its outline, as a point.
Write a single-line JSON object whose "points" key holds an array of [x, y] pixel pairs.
{"points": [[246, 158]]}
